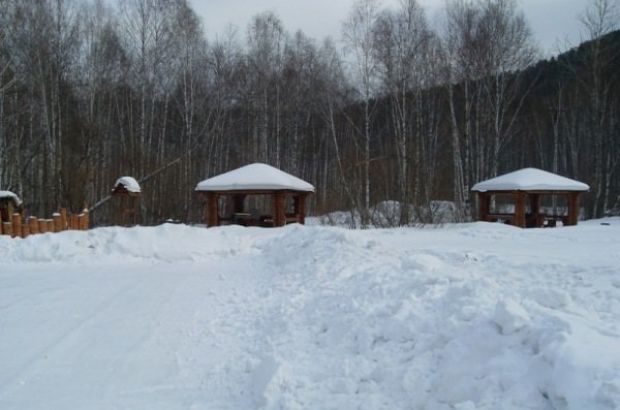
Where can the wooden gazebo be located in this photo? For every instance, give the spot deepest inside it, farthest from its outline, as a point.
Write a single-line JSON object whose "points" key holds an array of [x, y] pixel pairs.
{"points": [[128, 191], [250, 180], [9, 204], [526, 187]]}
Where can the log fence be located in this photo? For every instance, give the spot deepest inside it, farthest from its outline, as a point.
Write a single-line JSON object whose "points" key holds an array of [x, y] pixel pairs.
{"points": [[22, 227]]}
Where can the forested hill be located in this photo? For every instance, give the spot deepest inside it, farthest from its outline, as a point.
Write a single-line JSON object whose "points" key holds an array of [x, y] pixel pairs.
{"points": [[90, 92]]}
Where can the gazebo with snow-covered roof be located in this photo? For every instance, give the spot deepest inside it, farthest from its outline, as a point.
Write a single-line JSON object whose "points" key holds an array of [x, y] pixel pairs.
{"points": [[129, 191], [9, 203], [255, 179], [530, 184]]}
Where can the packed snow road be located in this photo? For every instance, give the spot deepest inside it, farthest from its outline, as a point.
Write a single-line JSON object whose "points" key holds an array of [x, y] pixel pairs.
{"points": [[475, 316]]}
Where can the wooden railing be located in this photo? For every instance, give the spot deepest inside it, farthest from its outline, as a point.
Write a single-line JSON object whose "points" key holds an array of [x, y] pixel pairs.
{"points": [[22, 227]]}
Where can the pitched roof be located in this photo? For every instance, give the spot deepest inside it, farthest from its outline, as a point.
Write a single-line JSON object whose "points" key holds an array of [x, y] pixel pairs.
{"points": [[11, 195], [254, 177], [129, 183], [530, 179]]}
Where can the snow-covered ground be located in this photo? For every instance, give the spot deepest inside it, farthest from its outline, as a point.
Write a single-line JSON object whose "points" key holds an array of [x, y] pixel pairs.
{"points": [[473, 316]]}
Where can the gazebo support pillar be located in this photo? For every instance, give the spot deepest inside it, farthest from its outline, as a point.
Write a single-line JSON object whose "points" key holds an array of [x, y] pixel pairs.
{"points": [[213, 217], [519, 209], [573, 208], [279, 216], [484, 204], [535, 206], [300, 208]]}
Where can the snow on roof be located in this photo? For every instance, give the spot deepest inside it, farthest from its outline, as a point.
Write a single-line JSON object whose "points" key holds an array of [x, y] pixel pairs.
{"points": [[129, 183], [12, 195], [530, 179], [254, 177]]}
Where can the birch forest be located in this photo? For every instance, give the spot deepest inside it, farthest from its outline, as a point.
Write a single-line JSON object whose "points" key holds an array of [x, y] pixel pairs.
{"points": [[402, 107]]}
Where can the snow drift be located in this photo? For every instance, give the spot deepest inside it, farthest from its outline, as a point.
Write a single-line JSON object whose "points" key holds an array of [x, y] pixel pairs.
{"points": [[474, 316]]}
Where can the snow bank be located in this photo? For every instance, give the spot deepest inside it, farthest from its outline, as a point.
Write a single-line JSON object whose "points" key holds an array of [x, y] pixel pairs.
{"points": [[472, 316]]}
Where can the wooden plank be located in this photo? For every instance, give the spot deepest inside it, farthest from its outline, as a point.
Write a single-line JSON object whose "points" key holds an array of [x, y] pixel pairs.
{"points": [[73, 222], [50, 225]]}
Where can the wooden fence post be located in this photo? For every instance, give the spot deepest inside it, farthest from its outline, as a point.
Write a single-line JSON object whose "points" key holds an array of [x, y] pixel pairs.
{"points": [[7, 228], [63, 218], [42, 225], [17, 225], [57, 222], [50, 225], [33, 223], [25, 231], [73, 222]]}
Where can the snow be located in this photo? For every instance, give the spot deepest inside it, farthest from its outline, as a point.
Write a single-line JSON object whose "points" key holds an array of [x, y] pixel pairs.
{"points": [[530, 179], [9, 194], [468, 316], [129, 183], [254, 177]]}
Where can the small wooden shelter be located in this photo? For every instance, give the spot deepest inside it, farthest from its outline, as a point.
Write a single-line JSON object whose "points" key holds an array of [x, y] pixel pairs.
{"points": [[526, 187], [128, 191], [255, 179], [9, 204]]}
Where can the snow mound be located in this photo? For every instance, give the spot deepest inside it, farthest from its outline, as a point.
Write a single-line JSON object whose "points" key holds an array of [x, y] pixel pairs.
{"points": [[469, 316], [129, 183]]}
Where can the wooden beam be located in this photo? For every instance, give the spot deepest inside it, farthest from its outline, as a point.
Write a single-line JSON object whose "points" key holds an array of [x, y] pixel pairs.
{"points": [[535, 206]]}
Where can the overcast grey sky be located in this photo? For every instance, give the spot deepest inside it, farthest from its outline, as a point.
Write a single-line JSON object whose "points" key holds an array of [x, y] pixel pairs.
{"points": [[553, 22]]}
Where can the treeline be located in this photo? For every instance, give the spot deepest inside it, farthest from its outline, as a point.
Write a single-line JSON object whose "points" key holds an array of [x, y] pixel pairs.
{"points": [[407, 112]]}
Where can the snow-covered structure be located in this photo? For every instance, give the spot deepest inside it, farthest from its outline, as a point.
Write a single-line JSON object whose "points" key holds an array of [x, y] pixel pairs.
{"points": [[9, 202], [128, 184], [128, 190], [530, 183], [255, 179]]}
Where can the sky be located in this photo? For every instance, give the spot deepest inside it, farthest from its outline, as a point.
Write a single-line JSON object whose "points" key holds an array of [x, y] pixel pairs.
{"points": [[554, 23]]}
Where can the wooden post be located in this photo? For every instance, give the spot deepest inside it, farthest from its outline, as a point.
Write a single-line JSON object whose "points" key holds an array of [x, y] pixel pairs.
{"points": [[25, 230], [300, 208], [279, 216], [87, 219], [42, 225], [50, 225], [519, 209], [535, 206], [7, 228], [80, 221], [57, 222], [213, 217], [17, 225], [573, 208], [33, 223], [484, 202], [73, 222], [63, 218]]}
